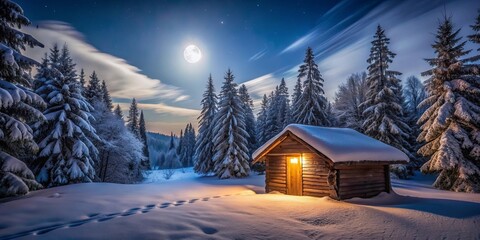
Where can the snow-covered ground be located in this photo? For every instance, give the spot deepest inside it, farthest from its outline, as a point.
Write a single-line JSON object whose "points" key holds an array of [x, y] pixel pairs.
{"points": [[192, 207]]}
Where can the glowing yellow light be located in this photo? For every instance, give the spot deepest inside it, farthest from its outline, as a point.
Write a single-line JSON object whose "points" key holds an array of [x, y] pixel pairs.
{"points": [[294, 160]]}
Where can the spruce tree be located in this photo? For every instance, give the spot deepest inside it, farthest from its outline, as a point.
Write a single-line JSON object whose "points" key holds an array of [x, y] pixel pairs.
{"points": [[383, 112], [93, 92], [249, 118], [297, 91], [66, 66], [143, 138], [230, 136], [66, 154], [474, 62], [271, 121], [132, 118], [283, 104], [171, 145], [475, 37], [180, 147], [18, 104], [204, 145], [54, 56], [106, 96], [82, 81], [310, 107], [261, 121], [188, 145], [450, 125], [118, 111]]}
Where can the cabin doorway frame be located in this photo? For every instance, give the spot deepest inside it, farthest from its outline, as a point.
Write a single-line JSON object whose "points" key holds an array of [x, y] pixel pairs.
{"points": [[294, 174]]}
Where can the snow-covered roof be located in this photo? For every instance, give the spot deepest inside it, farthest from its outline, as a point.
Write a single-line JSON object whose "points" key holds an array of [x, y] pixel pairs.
{"points": [[339, 144]]}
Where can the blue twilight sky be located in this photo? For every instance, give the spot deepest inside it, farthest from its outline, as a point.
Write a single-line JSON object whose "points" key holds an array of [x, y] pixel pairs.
{"points": [[137, 46]]}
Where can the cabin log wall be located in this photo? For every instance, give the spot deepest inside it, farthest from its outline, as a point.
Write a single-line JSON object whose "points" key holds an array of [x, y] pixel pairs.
{"points": [[315, 174], [362, 181], [276, 174]]}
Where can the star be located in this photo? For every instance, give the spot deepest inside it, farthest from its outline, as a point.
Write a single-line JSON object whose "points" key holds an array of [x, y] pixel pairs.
{"points": [[221, 22]]}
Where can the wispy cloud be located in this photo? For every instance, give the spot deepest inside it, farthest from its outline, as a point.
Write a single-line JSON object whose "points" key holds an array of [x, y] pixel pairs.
{"points": [[300, 42], [258, 55], [124, 80], [164, 109]]}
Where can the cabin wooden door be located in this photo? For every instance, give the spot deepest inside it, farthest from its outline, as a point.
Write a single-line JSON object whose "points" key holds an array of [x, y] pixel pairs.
{"points": [[294, 175]]}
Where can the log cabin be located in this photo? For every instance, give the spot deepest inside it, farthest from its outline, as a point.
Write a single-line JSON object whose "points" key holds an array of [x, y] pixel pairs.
{"points": [[319, 161]]}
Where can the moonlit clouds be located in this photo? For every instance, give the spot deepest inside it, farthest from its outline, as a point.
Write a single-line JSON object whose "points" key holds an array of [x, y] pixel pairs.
{"points": [[123, 79]]}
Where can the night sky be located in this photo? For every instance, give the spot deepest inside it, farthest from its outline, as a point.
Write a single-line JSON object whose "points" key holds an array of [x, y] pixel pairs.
{"points": [[137, 46]]}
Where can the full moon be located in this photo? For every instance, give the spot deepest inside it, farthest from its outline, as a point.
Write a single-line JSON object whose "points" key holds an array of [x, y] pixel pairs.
{"points": [[192, 54]]}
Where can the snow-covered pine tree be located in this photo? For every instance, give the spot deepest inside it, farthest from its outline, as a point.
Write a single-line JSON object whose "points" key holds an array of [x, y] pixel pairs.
{"points": [[93, 92], [180, 148], [230, 137], [475, 37], [66, 154], [132, 118], [297, 91], [261, 121], [383, 112], [414, 93], [283, 105], [259, 167], [118, 112], [171, 157], [310, 107], [106, 96], [271, 122], [249, 118], [186, 146], [142, 130], [18, 104], [204, 144], [66, 66], [189, 145], [474, 61], [347, 102], [81, 80], [450, 125], [54, 56], [171, 145]]}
